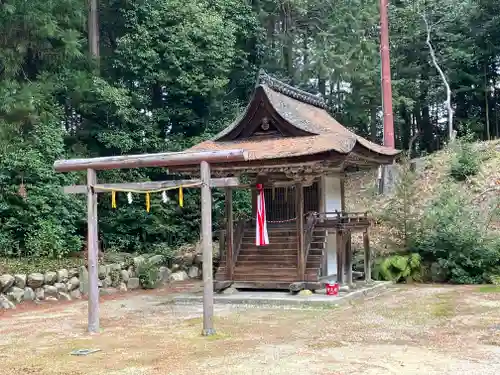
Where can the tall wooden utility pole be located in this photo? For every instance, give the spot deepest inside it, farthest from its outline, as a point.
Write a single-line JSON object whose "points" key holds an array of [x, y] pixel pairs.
{"points": [[386, 76]]}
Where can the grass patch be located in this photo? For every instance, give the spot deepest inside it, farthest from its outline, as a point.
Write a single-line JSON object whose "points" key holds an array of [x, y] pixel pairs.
{"points": [[489, 289], [325, 345], [491, 341], [30, 265], [218, 336], [444, 307], [193, 321]]}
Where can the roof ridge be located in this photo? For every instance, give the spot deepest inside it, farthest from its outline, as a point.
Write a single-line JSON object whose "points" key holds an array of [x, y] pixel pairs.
{"points": [[290, 91]]}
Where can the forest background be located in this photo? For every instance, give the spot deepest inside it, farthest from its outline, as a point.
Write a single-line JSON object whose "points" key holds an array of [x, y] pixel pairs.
{"points": [[172, 73]]}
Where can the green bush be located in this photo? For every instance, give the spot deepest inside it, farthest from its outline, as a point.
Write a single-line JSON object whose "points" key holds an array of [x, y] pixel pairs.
{"points": [[453, 233], [50, 239], [37, 264], [401, 213], [148, 273], [168, 252], [399, 268], [466, 160]]}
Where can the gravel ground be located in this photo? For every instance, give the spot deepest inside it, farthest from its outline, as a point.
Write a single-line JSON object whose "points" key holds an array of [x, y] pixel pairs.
{"points": [[406, 330]]}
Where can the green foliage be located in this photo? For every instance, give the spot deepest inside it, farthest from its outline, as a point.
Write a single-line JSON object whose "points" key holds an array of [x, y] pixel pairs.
{"points": [[28, 265], [401, 212], [115, 278], [174, 73], [148, 274], [453, 233], [495, 279], [399, 268], [466, 160], [166, 250], [46, 221], [489, 289]]}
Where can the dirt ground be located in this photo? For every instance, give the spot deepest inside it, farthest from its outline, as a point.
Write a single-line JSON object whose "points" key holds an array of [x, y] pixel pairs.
{"points": [[406, 330]]}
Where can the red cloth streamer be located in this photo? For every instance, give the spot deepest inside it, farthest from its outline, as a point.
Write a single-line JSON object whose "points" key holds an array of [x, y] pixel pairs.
{"points": [[261, 237]]}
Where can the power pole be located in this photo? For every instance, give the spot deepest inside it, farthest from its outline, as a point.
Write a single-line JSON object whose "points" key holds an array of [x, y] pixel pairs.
{"points": [[386, 76]]}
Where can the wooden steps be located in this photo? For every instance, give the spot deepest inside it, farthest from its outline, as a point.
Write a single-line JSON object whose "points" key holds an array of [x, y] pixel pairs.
{"points": [[318, 246], [276, 265]]}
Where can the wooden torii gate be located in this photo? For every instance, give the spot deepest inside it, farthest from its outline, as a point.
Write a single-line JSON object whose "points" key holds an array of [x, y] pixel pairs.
{"points": [[151, 160]]}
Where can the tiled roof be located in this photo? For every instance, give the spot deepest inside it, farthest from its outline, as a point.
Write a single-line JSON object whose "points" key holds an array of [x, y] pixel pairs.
{"points": [[303, 111]]}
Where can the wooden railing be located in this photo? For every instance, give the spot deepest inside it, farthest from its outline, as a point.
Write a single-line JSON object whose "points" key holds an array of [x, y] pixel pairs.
{"points": [[309, 234], [237, 239], [342, 219], [224, 245]]}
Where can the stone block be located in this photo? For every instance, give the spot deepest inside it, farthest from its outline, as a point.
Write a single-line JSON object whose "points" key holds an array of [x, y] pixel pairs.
{"points": [[73, 283], [62, 276], [20, 281], [29, 294], [179, 276], [6, 281], [15, 294], [50, 278], [133, 283], [35, 280]]}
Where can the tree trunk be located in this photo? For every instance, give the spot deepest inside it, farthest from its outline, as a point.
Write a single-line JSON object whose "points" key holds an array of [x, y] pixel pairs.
{"points": [[424, 121], [451, 134], [288, 45], [322, 85], [497, 130], [373, 122], [93, 29], [406, 128], [486, 104]]}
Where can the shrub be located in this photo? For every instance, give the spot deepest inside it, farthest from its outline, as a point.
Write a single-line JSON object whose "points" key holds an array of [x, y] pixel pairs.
{"points": [[148, 273], [466, 160], [453, 234], [401, 213], [50, 239], [399, 268], [168, 252]]}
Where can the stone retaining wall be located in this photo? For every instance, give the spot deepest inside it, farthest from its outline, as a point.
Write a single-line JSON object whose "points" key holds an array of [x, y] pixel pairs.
{"points": [[71, 284]]}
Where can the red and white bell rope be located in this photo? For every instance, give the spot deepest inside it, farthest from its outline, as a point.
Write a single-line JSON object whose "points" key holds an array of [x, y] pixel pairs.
{"points": [[261, 237]]}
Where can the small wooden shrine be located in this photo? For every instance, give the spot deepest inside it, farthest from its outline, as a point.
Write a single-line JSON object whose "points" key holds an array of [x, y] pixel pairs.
{"points": [[301, 155]]}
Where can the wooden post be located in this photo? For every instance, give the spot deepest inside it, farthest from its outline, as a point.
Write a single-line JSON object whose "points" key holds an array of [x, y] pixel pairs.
{"points": [[92, 248], [368, 255], [253, 193], [299, 210], [206, 230], [229, 234], [322, 197], [348, 259], [342, 194], [222, 243], [340, 257]]}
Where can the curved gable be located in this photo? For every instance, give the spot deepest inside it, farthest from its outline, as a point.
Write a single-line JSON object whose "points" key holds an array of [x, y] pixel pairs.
{"points": [[260, 118]]}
